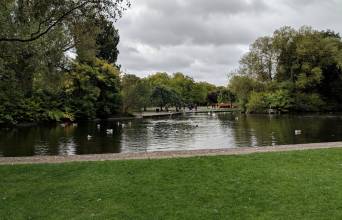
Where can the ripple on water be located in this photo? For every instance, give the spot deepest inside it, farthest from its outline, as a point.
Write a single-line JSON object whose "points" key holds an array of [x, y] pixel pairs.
{"points": [[198, 131]]}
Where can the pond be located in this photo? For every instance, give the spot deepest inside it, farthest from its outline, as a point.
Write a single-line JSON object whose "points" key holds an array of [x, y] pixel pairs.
{"points": [[187, 132]]}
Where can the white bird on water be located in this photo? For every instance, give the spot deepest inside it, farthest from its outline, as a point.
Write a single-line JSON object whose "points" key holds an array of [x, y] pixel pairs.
{"points": [[110, 131], [298, 132], [89, 137]]}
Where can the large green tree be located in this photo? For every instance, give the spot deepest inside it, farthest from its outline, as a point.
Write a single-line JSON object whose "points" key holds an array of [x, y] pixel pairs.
{"points": [[303, 65], [93, 90], [136, 93], [30, 20]]}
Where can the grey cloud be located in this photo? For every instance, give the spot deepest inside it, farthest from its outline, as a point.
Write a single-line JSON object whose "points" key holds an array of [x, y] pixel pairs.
{"points": [[206, 38], [205, 7]]}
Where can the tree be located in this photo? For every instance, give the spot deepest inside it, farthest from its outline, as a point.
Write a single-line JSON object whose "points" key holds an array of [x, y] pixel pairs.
{"points": [[136, 93], [306, 60], [225, 96], [199, 93], [160, 79], [107, 42], [184, 86], [163, 96], [93, 90], [84, 34], [261, 61], [34, 19], [242, 87], [38, 81], [213, 97]]}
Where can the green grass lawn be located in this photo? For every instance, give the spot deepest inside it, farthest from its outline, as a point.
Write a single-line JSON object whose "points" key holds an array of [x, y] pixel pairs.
{"points": [[292, 185]]}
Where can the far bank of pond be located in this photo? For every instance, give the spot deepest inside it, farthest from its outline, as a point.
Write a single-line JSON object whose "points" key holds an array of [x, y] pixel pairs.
{"points": [[176, 133]]}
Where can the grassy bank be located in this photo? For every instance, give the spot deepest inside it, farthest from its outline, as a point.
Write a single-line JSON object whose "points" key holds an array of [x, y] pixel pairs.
{"points": [[292, 185]]}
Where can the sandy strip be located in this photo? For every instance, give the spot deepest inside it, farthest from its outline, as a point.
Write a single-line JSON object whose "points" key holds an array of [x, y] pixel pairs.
{"points": [[165, 154]]}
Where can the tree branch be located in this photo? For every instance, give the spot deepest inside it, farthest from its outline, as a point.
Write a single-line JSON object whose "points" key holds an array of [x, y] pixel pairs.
{"points": [[47, 30]]}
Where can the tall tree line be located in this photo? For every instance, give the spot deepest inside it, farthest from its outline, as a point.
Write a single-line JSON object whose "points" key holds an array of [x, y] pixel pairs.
{"points": [[38, 79], [292, 70], [58, 62]]}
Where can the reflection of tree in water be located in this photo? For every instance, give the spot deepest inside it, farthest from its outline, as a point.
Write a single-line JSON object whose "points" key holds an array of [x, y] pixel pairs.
{"points": [[135, 137], [58, 140], [265, 130], [177, 133], [18, 141], [101, 142], [53, 139], [241, 130], [173, 133], [157, 134]]}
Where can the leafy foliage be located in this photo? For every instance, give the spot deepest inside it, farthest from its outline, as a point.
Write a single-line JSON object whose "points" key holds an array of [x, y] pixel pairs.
{"points": [[93, 90], [162, 96], [38, 80], [135, 92], [300, 70]]}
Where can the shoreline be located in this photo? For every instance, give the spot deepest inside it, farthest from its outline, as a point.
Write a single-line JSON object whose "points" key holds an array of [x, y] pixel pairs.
{"points": [[151, 114], [165, 154], [134, 116]]}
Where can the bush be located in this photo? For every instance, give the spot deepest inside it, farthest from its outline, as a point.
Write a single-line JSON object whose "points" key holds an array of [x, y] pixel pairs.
{"points": [[242, 87], [280, 100], [309, 102], [257, 103]]}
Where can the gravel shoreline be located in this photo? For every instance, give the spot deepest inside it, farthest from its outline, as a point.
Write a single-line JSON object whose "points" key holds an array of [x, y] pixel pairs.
{"points": [[164, 154]]}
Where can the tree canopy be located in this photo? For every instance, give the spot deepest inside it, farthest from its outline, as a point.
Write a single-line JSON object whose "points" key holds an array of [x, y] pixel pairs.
{"points": [[300, 67], [29, 20]]}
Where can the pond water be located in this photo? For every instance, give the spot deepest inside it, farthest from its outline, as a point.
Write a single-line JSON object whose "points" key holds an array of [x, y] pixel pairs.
{"points": [[188, 132]]}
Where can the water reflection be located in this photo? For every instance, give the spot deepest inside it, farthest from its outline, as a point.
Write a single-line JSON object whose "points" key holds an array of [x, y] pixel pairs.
{"points": [[198, 131]]}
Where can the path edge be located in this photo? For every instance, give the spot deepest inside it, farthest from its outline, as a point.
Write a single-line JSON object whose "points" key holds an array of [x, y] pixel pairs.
{"points": [[165, 154]]}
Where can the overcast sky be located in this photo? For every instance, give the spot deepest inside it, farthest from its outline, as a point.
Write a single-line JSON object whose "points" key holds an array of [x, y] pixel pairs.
{"points": [[206, 38]]}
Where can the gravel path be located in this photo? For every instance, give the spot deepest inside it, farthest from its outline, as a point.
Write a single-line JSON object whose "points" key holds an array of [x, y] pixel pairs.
{"points": [[164, 155]]}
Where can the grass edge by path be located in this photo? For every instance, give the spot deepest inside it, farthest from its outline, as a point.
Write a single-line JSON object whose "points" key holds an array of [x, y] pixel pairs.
{"points": [[165, 154]]}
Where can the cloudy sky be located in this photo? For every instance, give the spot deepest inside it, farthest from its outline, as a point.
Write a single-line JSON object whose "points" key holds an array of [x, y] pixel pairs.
{"points": [[206, 38]]}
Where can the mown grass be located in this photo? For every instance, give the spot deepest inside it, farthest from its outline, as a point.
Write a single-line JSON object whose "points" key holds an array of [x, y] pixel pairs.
{"points": [[292, 185]]}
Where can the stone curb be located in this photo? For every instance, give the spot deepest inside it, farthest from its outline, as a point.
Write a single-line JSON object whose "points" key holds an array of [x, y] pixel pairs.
{"points": [[165, 154]]}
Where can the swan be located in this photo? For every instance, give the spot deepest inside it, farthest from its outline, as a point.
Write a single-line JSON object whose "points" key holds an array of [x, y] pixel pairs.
{"points": [[109, 131], [298, 132]]}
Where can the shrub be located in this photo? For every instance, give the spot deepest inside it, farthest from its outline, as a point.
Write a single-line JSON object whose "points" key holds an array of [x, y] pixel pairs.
{"points": [[257, 103], [309, 102]]}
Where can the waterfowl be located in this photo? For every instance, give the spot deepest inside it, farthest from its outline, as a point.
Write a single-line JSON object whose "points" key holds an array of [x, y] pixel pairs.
{"points": [[298, 132], [109, 131]]}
